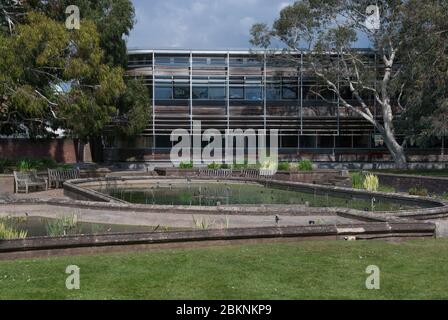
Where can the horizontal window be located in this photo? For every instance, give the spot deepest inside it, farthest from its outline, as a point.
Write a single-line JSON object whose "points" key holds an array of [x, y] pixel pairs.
{"points": [[237, 93], [254, 93], [182, 92], [289, 92], [200, 93], [164, 93], [217, 93], [273, 93]]}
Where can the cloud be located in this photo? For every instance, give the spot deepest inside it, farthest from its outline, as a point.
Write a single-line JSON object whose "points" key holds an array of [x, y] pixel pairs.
{"points": [[199, 24]]}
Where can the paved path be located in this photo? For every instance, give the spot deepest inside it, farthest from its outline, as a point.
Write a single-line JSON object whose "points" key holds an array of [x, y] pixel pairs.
{"points": [[164, 218]]}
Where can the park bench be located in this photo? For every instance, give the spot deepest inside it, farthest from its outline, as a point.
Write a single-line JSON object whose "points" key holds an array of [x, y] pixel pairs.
{"points": [[26, 180], [215, 172], [57, 177]]}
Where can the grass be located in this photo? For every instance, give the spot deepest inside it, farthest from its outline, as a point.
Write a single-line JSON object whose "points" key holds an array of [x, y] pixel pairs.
{"points": [[305, 270]]}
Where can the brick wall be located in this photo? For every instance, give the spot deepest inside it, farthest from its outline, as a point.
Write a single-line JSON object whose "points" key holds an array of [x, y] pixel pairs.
{"points": [[61, 150]]}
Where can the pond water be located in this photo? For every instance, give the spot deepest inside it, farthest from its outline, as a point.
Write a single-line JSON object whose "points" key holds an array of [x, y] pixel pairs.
{"points": [[215, 194]]}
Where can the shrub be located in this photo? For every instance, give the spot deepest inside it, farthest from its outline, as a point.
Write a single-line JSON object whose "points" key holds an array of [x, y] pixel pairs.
{"points": [[214, 166], [358, 180], [186, 165], [305, 165], [268, 165], [418, 191], [225, 166], [371, 183], [24, 165], [283, 166]]}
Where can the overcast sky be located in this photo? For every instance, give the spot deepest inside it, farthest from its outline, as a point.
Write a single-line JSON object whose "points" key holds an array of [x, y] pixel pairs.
{"points": [[200, 24]]}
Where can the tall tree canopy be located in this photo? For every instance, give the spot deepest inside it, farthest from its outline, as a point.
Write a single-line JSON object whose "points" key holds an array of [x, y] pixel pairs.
{"points": [[55, 78], [334, 26]]}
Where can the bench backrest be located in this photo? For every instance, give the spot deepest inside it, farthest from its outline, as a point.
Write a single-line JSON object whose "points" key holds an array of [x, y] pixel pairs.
{"points": [[21, 176], [215, 172], [63, 175]]}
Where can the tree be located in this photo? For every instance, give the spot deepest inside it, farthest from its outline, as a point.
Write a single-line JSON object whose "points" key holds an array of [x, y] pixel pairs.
{"points": [[114, 20], [425, 72], [39, 59], [53, 78], [329, 30], [133, 112]]}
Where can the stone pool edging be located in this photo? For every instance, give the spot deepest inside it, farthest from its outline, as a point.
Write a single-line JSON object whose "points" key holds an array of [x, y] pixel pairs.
{"points": [[338, 232], [373, 225], [404, 182], [80, 189]]}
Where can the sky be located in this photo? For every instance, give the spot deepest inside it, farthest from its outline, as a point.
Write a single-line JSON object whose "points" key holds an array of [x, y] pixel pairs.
{"points": [[202, 24], [199, 24]]}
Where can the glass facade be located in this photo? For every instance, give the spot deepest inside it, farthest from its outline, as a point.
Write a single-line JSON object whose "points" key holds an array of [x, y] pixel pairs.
{"points": [[240, 90]]}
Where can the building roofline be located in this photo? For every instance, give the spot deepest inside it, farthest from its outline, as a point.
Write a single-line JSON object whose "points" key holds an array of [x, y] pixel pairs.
{"points": [[217, 51]]}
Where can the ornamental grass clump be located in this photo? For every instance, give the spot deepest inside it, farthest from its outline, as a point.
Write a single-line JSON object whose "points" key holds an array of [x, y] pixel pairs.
{"points": [[371, 183]]}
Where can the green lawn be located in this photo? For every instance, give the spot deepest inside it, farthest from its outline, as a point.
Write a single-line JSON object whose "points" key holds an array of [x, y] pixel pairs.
{"points": [[305, 270]]}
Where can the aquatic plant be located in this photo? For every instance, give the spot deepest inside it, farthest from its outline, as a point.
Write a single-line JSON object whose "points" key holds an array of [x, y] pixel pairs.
{"points": [[371, 183], [358, 180], [419, 191], [203, 223], [62, 226], [8, 232]]}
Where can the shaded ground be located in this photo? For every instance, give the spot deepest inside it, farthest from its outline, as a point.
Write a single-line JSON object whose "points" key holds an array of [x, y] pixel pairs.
{"points": [[305, 270]]}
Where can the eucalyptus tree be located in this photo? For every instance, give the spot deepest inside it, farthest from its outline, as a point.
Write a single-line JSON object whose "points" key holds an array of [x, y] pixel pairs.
{"points": [[329, 30]]}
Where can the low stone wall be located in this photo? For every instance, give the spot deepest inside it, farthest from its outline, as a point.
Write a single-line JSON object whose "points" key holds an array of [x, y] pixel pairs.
{"points": [[82, 190], [403, 183], [312, 177], [359, 231]]}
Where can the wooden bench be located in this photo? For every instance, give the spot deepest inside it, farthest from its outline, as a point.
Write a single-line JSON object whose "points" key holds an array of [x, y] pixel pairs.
{"points": [[26, 180], [215, 172], [57, 177]]}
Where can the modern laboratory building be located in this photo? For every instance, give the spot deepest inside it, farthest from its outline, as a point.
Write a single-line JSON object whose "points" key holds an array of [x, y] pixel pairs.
{"points": [[245, 90]]}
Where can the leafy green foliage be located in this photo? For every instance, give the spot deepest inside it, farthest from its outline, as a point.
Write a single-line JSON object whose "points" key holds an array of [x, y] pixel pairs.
{"points": [[51, 77], [26, 164], [283, 166], [214, 166], [186, 165], [305, 165], [358, 180], [134, 109]]}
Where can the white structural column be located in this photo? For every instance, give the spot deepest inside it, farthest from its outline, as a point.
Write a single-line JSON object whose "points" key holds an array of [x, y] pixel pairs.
{"points": [[228, 91], [191, 92], [301, 93], [265, 111], [153, 103]]}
